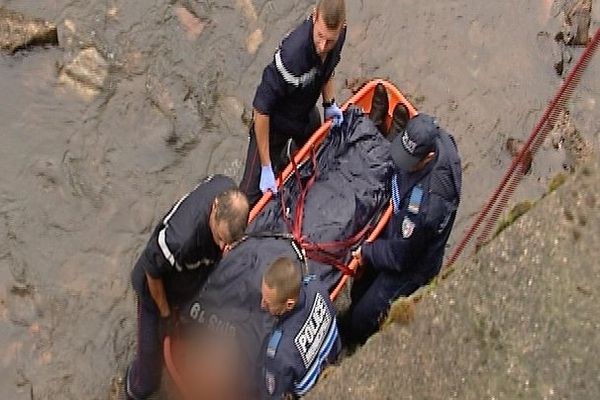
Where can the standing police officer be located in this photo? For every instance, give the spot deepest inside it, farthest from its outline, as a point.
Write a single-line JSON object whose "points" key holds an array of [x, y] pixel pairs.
{"points": [[305, 338], [284, 104], [188, 241], [425, 196]]}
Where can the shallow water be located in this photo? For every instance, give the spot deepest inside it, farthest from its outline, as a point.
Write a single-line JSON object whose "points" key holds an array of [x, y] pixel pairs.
{"points": [[86, 177]]}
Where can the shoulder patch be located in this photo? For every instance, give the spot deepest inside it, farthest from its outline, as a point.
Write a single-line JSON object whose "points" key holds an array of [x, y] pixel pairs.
{"points": [[408, 228], [416, 196], [274, 343], [311, 336], [308, 278]]}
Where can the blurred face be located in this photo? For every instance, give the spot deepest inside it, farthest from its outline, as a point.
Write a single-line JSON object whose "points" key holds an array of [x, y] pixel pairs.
{"points": [[270, 303], [218, 229], [324, 37]]}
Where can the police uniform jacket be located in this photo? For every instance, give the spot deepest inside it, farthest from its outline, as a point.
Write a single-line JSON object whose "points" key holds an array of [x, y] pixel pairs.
{"points": [[302, 343], [425, 205], [292, 83], [182, 247]]}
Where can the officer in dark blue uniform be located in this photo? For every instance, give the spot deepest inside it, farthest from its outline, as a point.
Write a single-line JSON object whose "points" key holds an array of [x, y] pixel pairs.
{"points": [[425, 196], [189, 239], [305, 338], [284, 105]]}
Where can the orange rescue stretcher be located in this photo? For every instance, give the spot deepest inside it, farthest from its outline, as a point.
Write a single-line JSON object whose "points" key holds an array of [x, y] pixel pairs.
{"points": [[363, 98]]}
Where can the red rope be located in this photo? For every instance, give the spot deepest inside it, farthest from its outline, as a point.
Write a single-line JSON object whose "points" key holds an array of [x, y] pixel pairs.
{"points": [[510, 181], [326, 252]]}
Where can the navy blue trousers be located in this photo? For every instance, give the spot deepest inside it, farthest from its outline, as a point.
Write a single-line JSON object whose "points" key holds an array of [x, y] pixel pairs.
{"points": [[144, 373], [372, 294]]}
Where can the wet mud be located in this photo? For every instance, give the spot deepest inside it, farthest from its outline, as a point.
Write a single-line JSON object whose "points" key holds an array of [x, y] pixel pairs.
{"points": [[140, 100]]}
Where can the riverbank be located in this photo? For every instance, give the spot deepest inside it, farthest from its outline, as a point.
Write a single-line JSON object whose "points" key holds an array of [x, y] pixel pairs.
{"points": [[86, 174], [518, 321]]}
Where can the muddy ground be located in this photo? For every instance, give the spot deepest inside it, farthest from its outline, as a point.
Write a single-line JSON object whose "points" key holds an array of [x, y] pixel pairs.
{"points": [[90, 162]]}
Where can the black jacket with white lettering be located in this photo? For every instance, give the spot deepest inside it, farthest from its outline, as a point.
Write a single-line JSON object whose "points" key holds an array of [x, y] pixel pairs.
{"points": [[303, 342], [291, 84], [182, 246]]}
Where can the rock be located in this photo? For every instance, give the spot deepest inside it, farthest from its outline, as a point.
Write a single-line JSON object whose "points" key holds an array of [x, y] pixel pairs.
{"points": [[578, 17], [17, 31], [86, 73], [247, 8], [255, 37], [254, 40], [565, 136], [180, 103], [557, 48], [558, 55], [575, 24], [21, 306], [514, 148], [192, 25]]}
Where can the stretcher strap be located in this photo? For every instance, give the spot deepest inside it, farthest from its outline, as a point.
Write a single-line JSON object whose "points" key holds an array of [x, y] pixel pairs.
{"points": [[327, 252]]}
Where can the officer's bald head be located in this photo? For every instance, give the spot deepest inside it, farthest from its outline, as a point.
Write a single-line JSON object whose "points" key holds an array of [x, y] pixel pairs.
{"points": [[230, 216]]}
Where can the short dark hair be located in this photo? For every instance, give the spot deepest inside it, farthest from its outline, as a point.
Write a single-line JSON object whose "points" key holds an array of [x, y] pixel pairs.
{"points": [[232, 208], [285, 277], [333, 11]]}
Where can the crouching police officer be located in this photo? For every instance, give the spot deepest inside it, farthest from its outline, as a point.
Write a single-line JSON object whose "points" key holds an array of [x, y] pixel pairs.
{"points": [[425, 195], [187, 242], [305, 338], [284, 103]]}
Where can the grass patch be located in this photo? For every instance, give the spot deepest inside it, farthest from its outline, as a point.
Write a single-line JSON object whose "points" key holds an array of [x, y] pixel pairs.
{"points": [[514, 214], [402, 311], [556, 182]]}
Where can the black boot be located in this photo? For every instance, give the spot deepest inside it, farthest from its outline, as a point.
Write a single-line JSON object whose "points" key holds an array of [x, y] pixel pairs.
{"points": [[379, 107], [399, 121]]}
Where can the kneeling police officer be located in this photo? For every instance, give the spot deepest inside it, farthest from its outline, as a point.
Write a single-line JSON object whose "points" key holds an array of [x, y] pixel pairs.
{"points": [[305, 338]]}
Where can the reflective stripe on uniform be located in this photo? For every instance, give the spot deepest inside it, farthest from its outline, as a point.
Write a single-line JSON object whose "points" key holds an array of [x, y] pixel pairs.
{"points": [[308, 381], [185, 196], [162, 243], [290, 78], [162, 235]]}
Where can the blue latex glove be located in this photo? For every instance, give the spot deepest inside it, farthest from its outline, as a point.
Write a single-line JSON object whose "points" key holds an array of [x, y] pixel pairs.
{"points": [[334, 112], [267, 179]]}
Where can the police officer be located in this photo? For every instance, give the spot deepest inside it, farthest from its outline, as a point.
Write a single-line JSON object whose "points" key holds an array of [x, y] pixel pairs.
{"points": [[305, 338], [425, 195], [284, 103], [189, 239]]}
